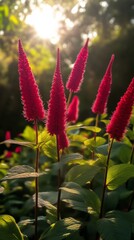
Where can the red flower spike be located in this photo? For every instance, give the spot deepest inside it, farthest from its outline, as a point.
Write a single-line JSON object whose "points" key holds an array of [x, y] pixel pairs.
{"points": [[32, 104], [63, 140], [77, 74], [7, 135], [100, 103], [121, 116], [73, 110], [57, 104]]}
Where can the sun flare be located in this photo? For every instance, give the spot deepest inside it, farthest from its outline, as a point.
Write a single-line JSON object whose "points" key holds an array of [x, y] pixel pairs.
{"points": [[46, 22]]}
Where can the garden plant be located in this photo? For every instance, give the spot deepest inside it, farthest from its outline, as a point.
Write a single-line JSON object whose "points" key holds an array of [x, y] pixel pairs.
{"points": [[64, 179]]}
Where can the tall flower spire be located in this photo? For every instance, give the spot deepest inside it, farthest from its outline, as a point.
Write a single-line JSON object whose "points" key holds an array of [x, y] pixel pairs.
{"points": [[32, 104], [57, 104], [100, 103], [121, 116], [73, 110], [77, 74]]}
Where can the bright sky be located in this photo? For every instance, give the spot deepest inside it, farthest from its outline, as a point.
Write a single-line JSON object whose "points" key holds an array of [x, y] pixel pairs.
{"points": [[46, 22]]}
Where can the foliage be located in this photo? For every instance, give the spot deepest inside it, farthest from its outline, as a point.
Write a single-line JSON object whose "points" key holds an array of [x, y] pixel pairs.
{"points": [[91, 183], [80, 191]]}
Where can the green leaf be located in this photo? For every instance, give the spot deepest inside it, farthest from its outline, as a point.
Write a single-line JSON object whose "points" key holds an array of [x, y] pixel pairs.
{"points": [[71, 157], [81, 174], [80, 199], [9, 229], [61, 229], [119, 174], [95, 142], [20, 171], [47, 143], [44, 197], [29, 134], [120, 152], [114, 227], [22, 143], [80, 126]]}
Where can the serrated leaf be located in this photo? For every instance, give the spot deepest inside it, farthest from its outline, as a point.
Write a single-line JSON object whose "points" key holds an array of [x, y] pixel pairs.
{"points": [[20, 171], [9, 229], [81, 174], [61, 229], [118, 175]]}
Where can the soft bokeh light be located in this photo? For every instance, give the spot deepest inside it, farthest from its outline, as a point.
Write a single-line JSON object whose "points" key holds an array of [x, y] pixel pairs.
{"points": [[46, 22]]}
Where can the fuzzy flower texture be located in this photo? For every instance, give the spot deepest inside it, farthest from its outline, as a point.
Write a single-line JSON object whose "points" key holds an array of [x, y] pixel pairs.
{"points": [[73, 110], [100, 103], [77, 74], [57, 103], [56, 117], [121, 116], [32, 104]]}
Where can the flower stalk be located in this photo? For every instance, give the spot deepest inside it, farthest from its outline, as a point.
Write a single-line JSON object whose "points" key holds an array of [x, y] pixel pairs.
{"points": [[105, 178], [36, 181]]}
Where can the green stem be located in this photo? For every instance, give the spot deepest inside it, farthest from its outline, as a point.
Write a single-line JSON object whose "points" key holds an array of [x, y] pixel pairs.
{"points": [[105, 178], [36, 181], [59, 181], [95, 134], [69, 98]]}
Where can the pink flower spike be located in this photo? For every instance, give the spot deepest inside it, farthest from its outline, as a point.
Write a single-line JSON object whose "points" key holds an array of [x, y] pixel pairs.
{"points": [[63, 140], [73, 110], [100, 103], [77, 74], [7, 135], [121, 116], [32, 104], [57, 104]]}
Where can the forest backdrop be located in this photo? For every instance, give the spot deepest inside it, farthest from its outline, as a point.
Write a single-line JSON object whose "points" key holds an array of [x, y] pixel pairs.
{"points": [[112, 21]]}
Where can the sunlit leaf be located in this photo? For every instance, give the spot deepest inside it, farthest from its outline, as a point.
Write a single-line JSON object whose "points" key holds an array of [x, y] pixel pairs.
{"points": [[71, 157], [20, 171], [14, 19], [47, 143], [80, 126], [29, 134], [44, 197], [9, 229], [119, 174], [61, 229], [95, 142], [22, 143], [80, 199], [82, 174]]}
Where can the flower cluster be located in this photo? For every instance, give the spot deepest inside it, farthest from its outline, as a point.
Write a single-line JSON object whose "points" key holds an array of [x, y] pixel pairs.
{"points": [[100, 103], [33, 108], [121, 116]]}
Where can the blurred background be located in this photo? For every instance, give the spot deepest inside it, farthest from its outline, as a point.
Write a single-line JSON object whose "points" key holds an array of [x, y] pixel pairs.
{"points": [[45, 25]]}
